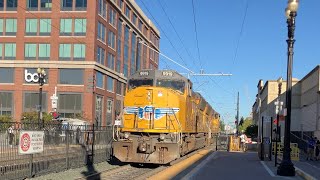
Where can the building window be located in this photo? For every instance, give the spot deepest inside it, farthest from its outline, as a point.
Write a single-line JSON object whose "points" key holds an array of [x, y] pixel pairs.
{"points": [[111, 61], [65, 51], [133, 53], [1, 27], [66, 5], [140, 25], [112, 17], [102, 8], [32, 5], [125, 70], [44, 52], [45, 27], [110, 84], [12, 5], [134, 19], [121, 4], [127, 11], [71, 76], [123, 89], [109, 111], [100, 80], [31, 27], [118, 88], [81, 5], [101, 32], [70, 105], [6, 75], [46, 5], [99, 107], [30, 51], [10, 51], [79, 52], [65, 27], [31, 101], [100, 55], [11, 27], [80, 27], [1, 51], [111, 40], [1, 5], [6, 103]]}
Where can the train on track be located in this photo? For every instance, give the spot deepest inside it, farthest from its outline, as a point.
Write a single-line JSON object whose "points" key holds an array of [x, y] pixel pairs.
{"points": [[163, 119]]}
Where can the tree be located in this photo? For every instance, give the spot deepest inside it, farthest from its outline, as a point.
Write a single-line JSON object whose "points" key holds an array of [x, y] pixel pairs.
{"points": [[222, 125], [244, 123], [252, 131]]}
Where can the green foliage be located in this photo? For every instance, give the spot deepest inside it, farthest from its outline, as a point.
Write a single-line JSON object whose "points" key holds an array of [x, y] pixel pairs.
{"points": [[222, 125], [252, 131], [32, 117], [5, 122], [5, 119], [244, 124]]}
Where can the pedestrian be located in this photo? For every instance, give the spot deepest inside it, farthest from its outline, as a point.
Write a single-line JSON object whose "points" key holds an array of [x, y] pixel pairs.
{"points": [[310, 152], [78, 135], [317, 150], [11, 135], [243, 139]]}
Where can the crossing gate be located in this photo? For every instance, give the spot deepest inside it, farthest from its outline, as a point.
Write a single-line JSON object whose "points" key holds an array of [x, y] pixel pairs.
{"points": [[222, 142]]}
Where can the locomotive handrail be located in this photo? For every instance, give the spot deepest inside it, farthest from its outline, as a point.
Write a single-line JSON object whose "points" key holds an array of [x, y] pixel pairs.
{"points": [[179, 124]]}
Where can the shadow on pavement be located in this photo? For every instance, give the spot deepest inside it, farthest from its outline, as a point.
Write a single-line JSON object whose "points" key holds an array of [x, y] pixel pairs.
{"points": [[91, 173]]}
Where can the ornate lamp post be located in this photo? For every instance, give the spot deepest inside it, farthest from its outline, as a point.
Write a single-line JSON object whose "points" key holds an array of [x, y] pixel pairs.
{"points": [[286, 167], [41, 75], [279, 104]]}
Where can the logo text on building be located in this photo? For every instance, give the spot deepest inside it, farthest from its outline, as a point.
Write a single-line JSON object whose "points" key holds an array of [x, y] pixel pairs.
{"points": [[29, 77]]}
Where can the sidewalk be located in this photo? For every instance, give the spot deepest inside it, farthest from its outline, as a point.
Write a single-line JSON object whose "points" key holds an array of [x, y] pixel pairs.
{"points": [[306, 169]]}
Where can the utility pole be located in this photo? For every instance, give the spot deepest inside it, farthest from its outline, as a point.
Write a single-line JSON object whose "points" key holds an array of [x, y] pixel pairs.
{"points": [[237, 125]]}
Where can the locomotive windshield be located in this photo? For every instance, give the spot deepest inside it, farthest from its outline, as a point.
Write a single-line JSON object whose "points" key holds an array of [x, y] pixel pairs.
{"points": [[133, 83], [172, 84]]}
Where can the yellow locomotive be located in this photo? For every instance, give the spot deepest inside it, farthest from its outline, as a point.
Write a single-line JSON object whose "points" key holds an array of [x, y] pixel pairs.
{"points": [[162, 119]]}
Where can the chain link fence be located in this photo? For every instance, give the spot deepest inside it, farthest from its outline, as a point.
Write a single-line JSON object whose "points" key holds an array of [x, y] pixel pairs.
{"points": [[65, 147]]}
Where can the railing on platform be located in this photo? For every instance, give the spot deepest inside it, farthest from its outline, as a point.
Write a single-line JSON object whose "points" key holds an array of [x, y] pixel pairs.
{"points": [[65, 147]]}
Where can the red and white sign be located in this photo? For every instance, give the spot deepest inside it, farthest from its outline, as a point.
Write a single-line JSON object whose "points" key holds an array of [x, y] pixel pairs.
{"points": [[31, 142]]}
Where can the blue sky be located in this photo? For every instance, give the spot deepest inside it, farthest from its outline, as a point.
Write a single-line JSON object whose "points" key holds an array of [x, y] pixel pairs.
{"points": [[262, 50]]}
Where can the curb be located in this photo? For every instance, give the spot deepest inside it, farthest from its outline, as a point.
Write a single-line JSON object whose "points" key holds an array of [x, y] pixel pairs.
{"points": [[303, 174]]}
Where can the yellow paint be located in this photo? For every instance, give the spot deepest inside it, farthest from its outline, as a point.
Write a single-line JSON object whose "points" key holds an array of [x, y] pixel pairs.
{"points": [[234, 143], [158, 97], [295, 151], [174, 170]]}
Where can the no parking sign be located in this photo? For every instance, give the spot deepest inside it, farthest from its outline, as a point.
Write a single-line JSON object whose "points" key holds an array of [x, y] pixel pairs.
{"points": [[31, 142]]}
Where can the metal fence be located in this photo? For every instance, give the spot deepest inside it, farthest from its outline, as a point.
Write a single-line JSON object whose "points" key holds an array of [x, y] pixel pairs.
{"points": [[65, 147]]}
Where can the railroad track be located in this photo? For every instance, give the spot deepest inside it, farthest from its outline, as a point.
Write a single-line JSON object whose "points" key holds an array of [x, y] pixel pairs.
{"points": [[129, 172]]}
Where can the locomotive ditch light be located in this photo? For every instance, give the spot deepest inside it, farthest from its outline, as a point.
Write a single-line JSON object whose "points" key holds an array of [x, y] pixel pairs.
{"points": [[162, 137], [126, 135]]}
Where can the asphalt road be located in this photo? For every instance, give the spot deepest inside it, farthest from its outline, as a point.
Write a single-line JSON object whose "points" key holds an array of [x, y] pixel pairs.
{"points": [[232, 165]]}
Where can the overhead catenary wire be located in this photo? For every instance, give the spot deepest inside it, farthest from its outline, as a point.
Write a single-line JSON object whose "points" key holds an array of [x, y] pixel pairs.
{"points": [[175, 30], [158, 24], [196, 32]]}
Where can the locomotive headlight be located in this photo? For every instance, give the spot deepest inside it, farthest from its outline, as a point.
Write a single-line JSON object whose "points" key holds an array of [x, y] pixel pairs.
{"points": [[162, 137], [126, 135]]}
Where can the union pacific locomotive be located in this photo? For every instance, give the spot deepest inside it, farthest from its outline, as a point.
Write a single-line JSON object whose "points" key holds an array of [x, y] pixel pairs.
{"points": [[163, 119]]}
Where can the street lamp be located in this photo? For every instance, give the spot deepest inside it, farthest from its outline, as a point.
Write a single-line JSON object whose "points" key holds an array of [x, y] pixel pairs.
{"points": [[286, 167], [41, 76], [278, 105]]}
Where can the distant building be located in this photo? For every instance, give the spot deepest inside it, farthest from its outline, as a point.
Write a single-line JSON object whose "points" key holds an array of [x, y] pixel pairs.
{"points": [[88, 49], [305, 105]]}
